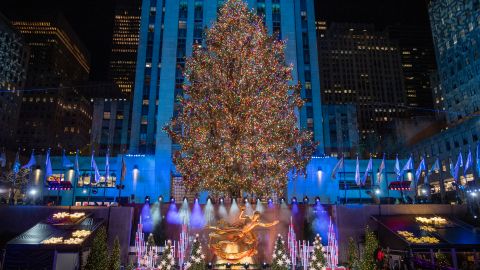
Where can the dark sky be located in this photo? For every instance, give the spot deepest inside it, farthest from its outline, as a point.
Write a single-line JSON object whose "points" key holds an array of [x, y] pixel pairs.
{"points": [[93, 19]]}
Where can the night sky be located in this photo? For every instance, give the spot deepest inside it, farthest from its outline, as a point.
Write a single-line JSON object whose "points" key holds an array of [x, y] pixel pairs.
{"points": [[93, 19]]}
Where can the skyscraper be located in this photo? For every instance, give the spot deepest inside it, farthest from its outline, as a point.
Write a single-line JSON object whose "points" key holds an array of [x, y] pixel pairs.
{"points": [[418, 61], [54, 111], [126, 27], [361, 66], [14, 55], [169, 29], [456, 35]]}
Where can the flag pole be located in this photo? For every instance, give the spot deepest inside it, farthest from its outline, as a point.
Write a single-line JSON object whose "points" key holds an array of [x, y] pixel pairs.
{"points": [[344, 182]]}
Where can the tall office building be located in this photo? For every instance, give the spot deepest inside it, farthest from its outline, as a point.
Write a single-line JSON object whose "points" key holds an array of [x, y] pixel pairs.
{"points": [[361, 66], [418, 62], [14, 55], [456, 35], [126, 27], [54, 113], [169, 29]]}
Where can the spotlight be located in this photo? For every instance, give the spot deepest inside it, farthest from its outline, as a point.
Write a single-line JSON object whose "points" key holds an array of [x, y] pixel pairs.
{"points": [[172, 200], [305, 200], [209, 199], [196, 199], [474, 194], [185, 199], [246, 265], [147, 199], [222, 200], [282, 200], [270, 201], [84, 191], [264, 265], [209, 265], [377, 191], [228, 265], [245, 200], [317, 199], [160, 199], [33, 192], [424, 191], [294, 200]]}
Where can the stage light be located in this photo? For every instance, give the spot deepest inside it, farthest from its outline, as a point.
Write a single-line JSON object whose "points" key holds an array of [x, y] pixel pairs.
{"points": [[294, 200], [84, 191], [246, 265], [474, 194], [135, 172], [245, 200], [424, 191], [317, 199], [282, 200], [160, 199], [270, 200], [172, 200], [196, 200], [222, 200], [147, 199], [228, 265], [209, 265], [377, 191], [319, 173], [264, 265], [185, 199], [305, 200], [33, 192]]}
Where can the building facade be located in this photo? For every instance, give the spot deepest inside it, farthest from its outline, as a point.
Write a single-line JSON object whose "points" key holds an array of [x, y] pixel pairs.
{"points": [[126, 27], [362, 67], [169, 29], [340, 130], [55, 114], [14, 55], [418, 62], [456, 35]]}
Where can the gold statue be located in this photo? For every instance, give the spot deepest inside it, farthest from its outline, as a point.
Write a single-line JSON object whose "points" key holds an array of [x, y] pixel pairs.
{"points": [[236, 242]]}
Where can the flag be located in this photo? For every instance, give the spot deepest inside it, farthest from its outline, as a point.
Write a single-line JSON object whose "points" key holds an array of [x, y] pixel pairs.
{"points": [[468, 163], [3, 159], [94, 167], [397, 168], [124, 169], [48, 165], [31, 162], [107, 165], [77, 166], [435, 167], [338, 166], [357, 173], [16, 164], [382, 165], [421, 167], [408, 166], [452, 172], [456, 169], [65, 162], [367, 170]]}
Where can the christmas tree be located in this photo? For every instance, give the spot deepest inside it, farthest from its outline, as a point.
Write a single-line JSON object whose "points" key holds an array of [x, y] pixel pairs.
{"points": [[352, 254], [371, 244], [280, 260], [317, 260], [114, 261], [150, 242], [98, 257], [167, 261], [238, 128], [197, 258]]}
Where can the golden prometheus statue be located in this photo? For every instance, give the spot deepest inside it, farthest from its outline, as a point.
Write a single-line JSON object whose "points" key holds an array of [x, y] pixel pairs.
{"points": [[236, 243]]}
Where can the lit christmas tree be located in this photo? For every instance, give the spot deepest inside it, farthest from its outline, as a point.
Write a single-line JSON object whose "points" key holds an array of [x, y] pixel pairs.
{"points": [[352, 254], [237, 127], [167, 261], [197, 258], [317, 260], [280, 260], [367, 261]]}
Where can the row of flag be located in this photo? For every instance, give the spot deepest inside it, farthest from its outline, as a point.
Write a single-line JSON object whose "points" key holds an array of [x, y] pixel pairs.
{"points": [[409, 166], [66, 163]]}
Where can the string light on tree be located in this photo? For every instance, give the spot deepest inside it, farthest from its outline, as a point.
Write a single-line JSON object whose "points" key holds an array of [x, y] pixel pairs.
{"points": [[317, 260], [237, 127], [197, 258]]}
